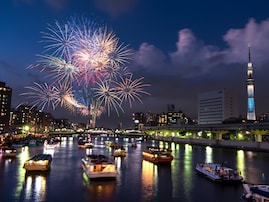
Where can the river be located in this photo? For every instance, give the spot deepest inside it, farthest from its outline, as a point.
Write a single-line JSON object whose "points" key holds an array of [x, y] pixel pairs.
{"points": [[138, 180]]}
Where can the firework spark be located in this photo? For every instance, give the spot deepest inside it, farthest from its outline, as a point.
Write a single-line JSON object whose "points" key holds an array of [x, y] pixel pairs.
{"points": [[61, 40], [60, 70], [42, 95], [130, 90], [87, 66], [106, 95]]}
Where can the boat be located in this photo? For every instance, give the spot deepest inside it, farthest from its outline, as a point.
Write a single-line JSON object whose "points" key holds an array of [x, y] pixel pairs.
{"points": [[99, 167], [133, 144], [111, 144], [32, 143], [39, 162], [258, 192], [85, 143], [158, 155], [50, 145], [9, 152], [119, 152], [219, 173], [19, 144]]}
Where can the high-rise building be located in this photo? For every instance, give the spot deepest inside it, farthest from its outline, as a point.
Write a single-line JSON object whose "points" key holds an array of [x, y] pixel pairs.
{"points": [[5, 104], [138, 120], [216, 106], [251, 116], [27, 116]]}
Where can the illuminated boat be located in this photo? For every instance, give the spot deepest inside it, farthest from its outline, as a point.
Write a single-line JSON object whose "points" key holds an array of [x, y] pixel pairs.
{"points": [[255, 193], [39, 162], [85, 143], [9, 152], [133, 144], [99, 167], [32, 143], [111, 144], [219, 173], [50, 145], [119, 152], [158, 155]]}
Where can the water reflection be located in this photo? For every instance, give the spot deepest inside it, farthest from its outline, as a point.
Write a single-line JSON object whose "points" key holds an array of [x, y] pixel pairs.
{"points": [[100, 190], [35, 186], [22, 157], [240, 162], [255, 168], [188, 169], [50, 151], [138, 180], [209, 154], [165, 183], [149, 180]]}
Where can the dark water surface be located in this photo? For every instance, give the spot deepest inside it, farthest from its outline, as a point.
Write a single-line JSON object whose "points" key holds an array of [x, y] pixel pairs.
{"points": [[138, 180]]}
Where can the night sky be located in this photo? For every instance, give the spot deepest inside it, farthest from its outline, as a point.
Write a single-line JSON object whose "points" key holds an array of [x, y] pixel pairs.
{"points": [[181, 48]]}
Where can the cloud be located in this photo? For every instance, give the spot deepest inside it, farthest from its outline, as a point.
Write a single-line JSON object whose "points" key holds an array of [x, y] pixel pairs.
{"points": [[238, 39], [54, 4], [116, 8], [196, 67], [5, 65], [194, 58], [57, 4], [148, 59], [10, 71]]}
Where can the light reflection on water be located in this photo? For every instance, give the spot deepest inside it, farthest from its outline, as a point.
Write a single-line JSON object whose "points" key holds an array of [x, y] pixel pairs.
{"points": [[188, 168], [209, 157], [138, 180], [240, 163], [148, 178], [100, 190], [35, 187]]}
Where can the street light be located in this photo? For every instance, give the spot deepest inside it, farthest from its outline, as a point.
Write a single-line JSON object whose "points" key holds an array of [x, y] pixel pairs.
{"points": [[25, 129]]}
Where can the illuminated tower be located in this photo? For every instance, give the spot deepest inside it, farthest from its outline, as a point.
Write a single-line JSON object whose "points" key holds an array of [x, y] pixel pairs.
{"points": [[250, 89]]}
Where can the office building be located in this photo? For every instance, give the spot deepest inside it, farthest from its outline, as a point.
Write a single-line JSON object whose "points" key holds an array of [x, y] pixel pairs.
{"points": [[216, 106]]}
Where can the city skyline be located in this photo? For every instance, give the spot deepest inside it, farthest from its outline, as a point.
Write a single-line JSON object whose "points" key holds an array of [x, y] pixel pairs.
{"points": [[181, 49]]}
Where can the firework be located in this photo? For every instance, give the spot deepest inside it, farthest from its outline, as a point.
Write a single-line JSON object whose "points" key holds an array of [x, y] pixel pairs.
{"points": [[59, 69], [87, 68], [42, 95], [130, 90], [105, 94], [61, 40]]}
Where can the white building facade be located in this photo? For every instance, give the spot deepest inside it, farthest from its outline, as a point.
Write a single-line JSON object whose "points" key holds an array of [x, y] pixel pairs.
{"points": [[216, 106]]}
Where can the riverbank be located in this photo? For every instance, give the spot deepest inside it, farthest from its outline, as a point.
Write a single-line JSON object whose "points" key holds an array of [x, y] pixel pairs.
{"points": [[244, 145]]}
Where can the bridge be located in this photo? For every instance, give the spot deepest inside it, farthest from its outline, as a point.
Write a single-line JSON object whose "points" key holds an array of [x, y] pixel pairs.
{"points": [[249, 136], [127, 132], [257, 132], [253, 136], [216, 127], [240, 131]]}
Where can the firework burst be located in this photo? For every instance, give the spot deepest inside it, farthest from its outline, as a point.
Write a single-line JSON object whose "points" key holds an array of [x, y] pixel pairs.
{"points": [[130, 90], [87, 66], [59, 69], [42, 95], [105, 94], [61, 40]]}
